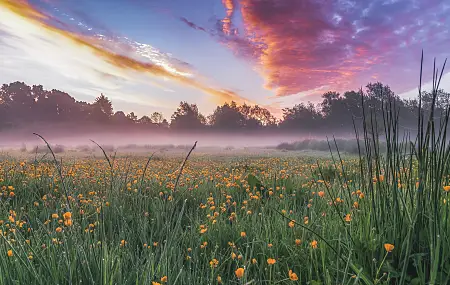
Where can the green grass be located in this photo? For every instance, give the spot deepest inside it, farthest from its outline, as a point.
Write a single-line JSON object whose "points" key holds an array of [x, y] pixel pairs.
{"points": [[137, 220]]}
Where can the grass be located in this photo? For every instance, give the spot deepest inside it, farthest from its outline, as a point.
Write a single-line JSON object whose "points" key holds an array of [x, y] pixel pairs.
{"points": [[380, 217]]}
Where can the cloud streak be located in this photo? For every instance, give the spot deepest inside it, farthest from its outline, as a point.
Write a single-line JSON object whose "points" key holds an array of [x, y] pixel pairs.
{"points": [[107, 50], [192, 25]]}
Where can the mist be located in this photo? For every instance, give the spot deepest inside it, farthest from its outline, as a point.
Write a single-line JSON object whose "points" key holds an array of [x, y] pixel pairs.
{"points": [[72, 137]]}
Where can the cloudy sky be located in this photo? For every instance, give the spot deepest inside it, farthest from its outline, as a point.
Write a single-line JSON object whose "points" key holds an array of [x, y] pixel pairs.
{"points": [[148, 55]]}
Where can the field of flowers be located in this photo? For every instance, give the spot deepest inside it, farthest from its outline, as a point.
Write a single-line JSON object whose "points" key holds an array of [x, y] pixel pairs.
{"points": [[228, 220]]}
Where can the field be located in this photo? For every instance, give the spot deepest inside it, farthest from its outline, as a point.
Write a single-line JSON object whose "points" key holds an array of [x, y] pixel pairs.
{"points": [[233, 217], [229, 220]]}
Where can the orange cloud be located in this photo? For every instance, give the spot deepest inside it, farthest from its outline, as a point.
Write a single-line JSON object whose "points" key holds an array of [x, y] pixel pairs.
{"points": [[24, 9], [226, 22], [305, 44]]}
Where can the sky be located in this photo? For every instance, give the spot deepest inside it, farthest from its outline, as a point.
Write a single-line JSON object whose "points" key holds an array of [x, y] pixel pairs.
{"points": [[148, 55]]}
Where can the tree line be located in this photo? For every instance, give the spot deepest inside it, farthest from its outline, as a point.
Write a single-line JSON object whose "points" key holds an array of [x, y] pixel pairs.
{"points": [[21, 104]]}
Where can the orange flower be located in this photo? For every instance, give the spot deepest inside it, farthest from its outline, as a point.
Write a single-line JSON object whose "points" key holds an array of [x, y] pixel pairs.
{"points": [[381, 178], [10, 253], [164, 279], [243, 234], [213, 263], [219, 279], [239, 272], [292, 276], [305, 220], [321, 194], [314, 244], [298, 241], [447, 188], [271, 261], [348, 218], [68, 223], [67, 215], [389, 247], [291, 224]]}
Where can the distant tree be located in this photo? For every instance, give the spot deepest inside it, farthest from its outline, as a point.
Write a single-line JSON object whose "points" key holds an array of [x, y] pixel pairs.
{"points": [[337, 110], [330, 101], [5, 97], [187, 116], [145, 120], [132, 117], [164, 124], [262, 116], [63, 107], [227, 117], [19, 101], [102, 109], [379, 91], [157, 118], [301, 117], [21, 104], [119, 118], [86, 111]]}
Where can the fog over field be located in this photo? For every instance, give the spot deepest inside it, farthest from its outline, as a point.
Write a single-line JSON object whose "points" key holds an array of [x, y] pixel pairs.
{"points": [[15, 139]]}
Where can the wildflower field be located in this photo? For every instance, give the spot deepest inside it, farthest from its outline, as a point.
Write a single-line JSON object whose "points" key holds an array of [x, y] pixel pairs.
{"points": [[229, 220], [379, 217]]}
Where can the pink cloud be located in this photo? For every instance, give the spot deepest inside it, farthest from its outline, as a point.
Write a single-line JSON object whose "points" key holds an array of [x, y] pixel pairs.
{"points": [[305, 44]]}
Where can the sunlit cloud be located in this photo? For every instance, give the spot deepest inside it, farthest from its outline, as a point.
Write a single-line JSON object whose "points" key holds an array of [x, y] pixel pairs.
{"points": [[310, 44], [303, 45], [230, 6], [93, 58]]}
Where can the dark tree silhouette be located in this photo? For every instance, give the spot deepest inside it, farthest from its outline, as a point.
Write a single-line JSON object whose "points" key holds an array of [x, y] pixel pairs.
{"points": [[102, 109], [187, 117], [22, 105], [132, 117], [227, 117], [145, 120], [302, 116]]}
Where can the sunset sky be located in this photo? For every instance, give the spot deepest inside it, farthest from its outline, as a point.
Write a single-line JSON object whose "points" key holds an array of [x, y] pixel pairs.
{"points": [[148, 55]]}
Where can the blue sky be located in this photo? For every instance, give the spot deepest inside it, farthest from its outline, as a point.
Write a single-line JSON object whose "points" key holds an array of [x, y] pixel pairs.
{"points": [[150, 55]]}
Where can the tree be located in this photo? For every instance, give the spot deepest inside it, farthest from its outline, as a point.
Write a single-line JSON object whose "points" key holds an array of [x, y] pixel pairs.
{"points": [[187, 116], [227, 117], [132, 117], [102, 108], [157, 118], [262, 116], [21, 104], [301, 117], [145, 120], [164, 124], [119, 118], [330, 100]]}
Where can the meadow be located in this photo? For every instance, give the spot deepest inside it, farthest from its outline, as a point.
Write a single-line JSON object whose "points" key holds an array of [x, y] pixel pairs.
{"points": [[377, 217], [229, 219]]}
